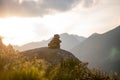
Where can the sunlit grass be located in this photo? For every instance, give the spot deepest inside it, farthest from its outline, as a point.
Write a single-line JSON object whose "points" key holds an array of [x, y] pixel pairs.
{"points": [[15, 66]]}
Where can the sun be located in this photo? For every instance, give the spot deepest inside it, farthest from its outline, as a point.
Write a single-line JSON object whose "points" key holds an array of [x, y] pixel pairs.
{"points": [[15, 30]]}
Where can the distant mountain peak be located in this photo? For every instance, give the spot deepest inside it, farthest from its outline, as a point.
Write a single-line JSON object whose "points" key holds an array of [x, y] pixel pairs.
{"points": [[65, 34], [115, 30], [94, 34], [68, 42], [97, 50]]}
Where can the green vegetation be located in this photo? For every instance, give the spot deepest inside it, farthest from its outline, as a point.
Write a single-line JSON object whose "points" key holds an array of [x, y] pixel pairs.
{"points": [[14, 66], [73, 70]]}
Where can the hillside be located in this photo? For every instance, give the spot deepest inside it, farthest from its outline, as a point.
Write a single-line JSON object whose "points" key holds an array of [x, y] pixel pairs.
{"points": [[101, 50], [52, 56], [46, 64], [65, 38]]}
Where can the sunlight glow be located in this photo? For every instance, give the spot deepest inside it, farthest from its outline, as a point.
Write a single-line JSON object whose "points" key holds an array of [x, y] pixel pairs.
{"points": [[14, 30], [22, 30]]}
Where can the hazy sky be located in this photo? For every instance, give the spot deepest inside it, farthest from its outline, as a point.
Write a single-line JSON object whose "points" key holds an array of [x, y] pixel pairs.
{"points": [[23, 21]]}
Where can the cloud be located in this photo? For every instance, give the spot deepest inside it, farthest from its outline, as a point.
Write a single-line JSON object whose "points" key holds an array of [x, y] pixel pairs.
{"points": [[9, 7], [61, 5], [33, 8], [38, 7], [89, 3]]}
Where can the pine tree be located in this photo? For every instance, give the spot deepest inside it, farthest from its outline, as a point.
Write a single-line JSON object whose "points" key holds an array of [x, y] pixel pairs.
{"points": [[55, 42]]}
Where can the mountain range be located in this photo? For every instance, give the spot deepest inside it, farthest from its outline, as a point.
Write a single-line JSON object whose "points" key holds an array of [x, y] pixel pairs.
{"points": [[101, 50], [68, 42]]}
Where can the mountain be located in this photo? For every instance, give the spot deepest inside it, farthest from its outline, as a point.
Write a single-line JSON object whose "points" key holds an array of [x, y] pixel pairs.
{"points": [[32, 45], [52, 56], [101, 50], [68, 42]]}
